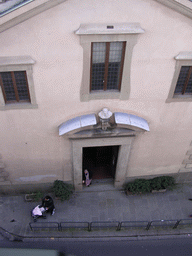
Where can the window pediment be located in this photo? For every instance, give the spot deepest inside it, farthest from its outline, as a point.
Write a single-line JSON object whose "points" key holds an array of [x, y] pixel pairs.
{"points": [[109, 29]]}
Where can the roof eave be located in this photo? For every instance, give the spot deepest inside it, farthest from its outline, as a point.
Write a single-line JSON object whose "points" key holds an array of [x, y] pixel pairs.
{"points": [[178, 7], [29, 11]]}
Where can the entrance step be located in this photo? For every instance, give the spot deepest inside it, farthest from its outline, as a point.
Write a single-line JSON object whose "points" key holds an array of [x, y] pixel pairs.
{"points": [[2, 165], [4, 175], [100, 181], [100, 185]]}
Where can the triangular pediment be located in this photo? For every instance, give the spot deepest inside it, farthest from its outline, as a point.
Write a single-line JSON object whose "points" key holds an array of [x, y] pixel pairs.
{"points": [[15, 12]]}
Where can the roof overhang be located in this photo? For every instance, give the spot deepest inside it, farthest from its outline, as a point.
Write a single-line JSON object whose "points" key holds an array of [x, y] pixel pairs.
{"points": [[182, 6], [34, 7], [25, 12]]}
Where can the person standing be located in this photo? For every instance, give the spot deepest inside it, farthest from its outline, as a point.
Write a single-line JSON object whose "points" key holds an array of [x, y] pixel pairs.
{"points": [[87, 178]]}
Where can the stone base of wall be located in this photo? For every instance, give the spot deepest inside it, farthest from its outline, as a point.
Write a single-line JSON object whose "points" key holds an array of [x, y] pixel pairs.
{"points": [[14, 189], [10, 189], [181, 177]]}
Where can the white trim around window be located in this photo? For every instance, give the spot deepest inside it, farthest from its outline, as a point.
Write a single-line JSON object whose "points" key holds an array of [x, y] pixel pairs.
{"points": [[93, 33], [20, 63], [183, 59]]}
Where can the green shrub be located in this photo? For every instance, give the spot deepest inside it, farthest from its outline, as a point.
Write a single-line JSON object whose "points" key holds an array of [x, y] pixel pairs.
{"points": [[62, 190], [34, 196], [147, 185], [162, 182], [138, 186], [38, 195]]}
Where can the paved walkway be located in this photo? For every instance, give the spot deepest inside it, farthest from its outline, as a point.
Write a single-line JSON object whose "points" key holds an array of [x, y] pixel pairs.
{"points": [[101, 202]]}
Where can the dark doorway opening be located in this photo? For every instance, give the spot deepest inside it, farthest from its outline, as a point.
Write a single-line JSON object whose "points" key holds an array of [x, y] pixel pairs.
{"points": [[101, 161]]}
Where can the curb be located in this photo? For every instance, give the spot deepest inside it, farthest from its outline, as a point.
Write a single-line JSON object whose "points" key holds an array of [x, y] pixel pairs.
{"points": [[109, 236], [106, 238], [10, 236]]}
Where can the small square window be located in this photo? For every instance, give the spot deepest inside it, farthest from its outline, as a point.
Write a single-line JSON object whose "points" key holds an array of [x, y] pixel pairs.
{"points": [[14, 86]]}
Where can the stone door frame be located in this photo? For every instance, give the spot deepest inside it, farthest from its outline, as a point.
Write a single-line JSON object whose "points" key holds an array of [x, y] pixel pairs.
{"points": [[124, 144]]}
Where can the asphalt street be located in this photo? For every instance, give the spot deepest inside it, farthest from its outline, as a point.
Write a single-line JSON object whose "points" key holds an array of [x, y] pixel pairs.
{"points": [[113, 247]]}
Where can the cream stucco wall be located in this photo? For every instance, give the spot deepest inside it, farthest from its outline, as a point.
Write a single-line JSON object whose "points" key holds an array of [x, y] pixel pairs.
{"points": [[30, 146]]}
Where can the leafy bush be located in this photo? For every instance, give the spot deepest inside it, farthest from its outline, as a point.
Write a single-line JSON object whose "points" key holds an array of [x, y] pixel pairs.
{"points": [[162, 182], [38, 195], [34, 196], [138, 186], [147, 185], [62, 190]]}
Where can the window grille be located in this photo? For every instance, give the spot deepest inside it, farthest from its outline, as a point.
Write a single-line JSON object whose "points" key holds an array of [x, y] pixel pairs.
{"points": [[14, 86], [107, 65], [184, 82]]}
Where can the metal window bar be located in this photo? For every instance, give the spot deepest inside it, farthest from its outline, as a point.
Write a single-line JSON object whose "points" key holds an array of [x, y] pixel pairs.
{"points": [[164, 223], [133, 224], [104, 224], [110, 224], [76, 225], [185, 222], [44, 225]]}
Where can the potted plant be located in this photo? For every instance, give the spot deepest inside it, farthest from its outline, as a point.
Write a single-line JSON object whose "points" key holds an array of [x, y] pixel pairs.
{"points": [[34, 197]]}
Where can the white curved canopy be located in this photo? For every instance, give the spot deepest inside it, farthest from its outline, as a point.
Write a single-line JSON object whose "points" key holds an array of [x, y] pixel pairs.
{"points": [[76, 123], [132, 120], [90, 120]]}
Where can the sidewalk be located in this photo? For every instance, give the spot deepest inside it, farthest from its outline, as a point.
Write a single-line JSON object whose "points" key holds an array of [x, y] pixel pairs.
{"points": [[101, 202]]}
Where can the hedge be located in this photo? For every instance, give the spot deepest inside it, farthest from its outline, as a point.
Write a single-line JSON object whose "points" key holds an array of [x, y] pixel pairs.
{"points": [[147, 185]]}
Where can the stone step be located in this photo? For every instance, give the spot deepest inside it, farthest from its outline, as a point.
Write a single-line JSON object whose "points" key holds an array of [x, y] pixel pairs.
{"points": [[188, 166], [4, 175], [187, 161], [189, 152], [1, 237], [5, 182], [2, 165], [184, 170]]}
